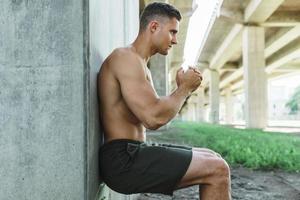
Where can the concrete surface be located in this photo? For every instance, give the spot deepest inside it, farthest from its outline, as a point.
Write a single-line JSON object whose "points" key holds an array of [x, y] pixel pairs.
{"points": [[43, 118], [112, 24]]}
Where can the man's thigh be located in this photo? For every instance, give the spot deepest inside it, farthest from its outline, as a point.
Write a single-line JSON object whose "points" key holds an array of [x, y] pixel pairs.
{"points": [[208, 151]]}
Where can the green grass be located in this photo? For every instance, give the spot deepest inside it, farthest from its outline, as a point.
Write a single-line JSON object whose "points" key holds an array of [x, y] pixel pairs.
{"points": [[250, 148]]}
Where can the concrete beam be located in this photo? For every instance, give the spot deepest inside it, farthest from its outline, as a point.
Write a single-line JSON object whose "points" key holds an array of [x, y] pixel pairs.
{"points": [[275, 43], [256, 11], [231, 44], [280, 58], [236, 92], [211, 25], [279, 24], [235, 75], [232, 15], [280, 19], [229, 67], [280, 39], [239, 85], [284, 17], [275, 75], [289, 68], [272, 66], [234, 86], [260, 10], [187, 11]]}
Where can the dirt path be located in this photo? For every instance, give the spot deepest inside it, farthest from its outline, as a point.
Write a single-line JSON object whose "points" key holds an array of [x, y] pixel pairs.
{"points": [[248, 185]]}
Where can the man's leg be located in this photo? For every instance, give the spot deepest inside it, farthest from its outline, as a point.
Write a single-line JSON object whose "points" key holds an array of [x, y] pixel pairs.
{"points": [[211, 172], [205, 150]]}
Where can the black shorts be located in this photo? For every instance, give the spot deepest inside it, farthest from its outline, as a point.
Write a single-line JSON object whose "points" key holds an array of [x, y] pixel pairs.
{"points": [[129, 166]]}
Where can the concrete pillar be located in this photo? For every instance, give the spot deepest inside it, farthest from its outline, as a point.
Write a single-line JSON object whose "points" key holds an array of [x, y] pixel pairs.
{"points": [[229, 106], [206, 113], [172, 76], [49, 126], [255, 77], [200, 105], [214, 96], [44, 94], [206, 108], [112, 24], [159, 72], [193, 108], [183, 114], [191, 112]]}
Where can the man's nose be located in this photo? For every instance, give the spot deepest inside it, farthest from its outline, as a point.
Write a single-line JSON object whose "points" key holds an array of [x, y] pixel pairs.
{"points": [[174, 40]]}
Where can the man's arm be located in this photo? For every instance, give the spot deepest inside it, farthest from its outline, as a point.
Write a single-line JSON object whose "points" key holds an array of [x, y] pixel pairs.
{"points": [[139, 95]]}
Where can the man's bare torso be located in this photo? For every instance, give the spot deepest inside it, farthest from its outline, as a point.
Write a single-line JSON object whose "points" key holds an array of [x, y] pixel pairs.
{"points": [[117, 119]]}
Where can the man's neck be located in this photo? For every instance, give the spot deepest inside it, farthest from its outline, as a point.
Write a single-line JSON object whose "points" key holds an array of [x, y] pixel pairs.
{"points": [[143, 47]]}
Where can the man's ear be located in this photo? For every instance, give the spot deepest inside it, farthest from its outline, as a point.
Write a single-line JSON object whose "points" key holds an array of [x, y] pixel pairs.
{"points": [[153, 25]]}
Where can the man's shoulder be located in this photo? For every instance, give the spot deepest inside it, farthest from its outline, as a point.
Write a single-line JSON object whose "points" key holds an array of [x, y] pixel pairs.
{"points": [[123, 57], [122, 53]]}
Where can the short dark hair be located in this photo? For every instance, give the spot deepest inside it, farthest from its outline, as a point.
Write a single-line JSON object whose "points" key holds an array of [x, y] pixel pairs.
{"points": [[157, 9]]}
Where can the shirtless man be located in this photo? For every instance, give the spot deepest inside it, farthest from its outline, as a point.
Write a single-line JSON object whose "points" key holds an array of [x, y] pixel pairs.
{"points": [[129, 105]]}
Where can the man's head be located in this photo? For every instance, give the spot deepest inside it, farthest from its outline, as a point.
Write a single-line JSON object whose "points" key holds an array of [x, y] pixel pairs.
{"points": [[157, 11], [162, 21]]}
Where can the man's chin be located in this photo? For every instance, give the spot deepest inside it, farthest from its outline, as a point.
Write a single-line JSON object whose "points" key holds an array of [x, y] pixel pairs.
{"points": [[164, 52]]}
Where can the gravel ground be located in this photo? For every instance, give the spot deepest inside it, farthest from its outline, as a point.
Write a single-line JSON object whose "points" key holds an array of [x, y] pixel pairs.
{"points": [[248, 185]]}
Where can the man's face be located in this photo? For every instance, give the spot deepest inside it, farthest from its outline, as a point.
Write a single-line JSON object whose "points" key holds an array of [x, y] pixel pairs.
{"points": [[166, 35]]}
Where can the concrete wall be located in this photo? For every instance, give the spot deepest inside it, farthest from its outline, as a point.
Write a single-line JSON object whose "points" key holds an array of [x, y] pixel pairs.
{"points": [[113, 24], [49, 125], [159, 73], [43, 100]]}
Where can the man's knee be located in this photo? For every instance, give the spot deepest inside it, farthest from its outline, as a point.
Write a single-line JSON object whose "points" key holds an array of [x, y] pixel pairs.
{"points": [[222, 171], [223, 167]]}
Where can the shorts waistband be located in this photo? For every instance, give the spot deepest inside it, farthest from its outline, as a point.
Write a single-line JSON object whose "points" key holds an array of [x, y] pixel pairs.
{"points": [[119, 142]]}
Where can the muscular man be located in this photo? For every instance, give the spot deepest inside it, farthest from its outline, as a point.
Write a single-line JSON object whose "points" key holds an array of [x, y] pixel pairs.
{"points": [[129, 105]]}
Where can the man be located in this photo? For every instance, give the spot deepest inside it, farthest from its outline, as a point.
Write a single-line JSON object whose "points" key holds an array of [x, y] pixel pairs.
{"points": [[129, 105]]}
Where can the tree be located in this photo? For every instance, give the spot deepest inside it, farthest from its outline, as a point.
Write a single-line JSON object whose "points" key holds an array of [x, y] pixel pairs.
{"points": [[294, 102]]}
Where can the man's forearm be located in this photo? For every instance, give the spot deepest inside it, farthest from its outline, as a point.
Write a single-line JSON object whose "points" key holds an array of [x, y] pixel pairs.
{"points": [[168, 106]]}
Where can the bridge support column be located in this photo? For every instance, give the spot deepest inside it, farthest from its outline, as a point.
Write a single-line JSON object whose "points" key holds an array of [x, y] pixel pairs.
{"points": [[159, 72], [200, 104], [228, 106], [255, 77], [214, 97]]}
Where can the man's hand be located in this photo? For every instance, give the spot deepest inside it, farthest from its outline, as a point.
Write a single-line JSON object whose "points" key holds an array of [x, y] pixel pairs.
{"points": [[189, 80]]}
